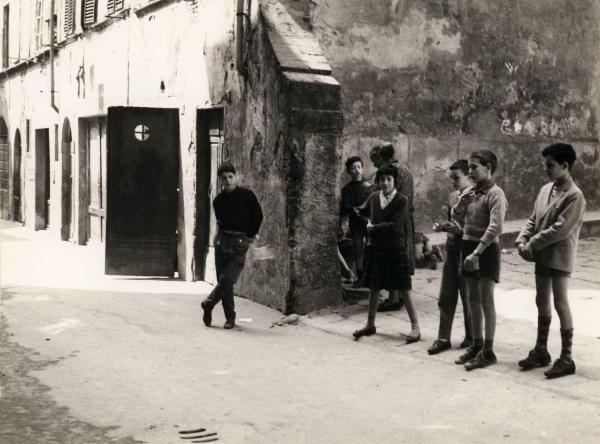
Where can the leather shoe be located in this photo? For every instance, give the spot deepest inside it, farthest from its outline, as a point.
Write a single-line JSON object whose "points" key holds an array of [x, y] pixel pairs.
{"points": [[207, 316], [389, 306], [366, 331], [536, 358], [483, 359], [467, 342], [561, 367], [229, 324], [438, 346], [469, 354]]}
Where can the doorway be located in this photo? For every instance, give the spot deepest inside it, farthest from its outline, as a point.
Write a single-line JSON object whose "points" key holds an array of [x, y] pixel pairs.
{"points": [[67, 182], [209, 154], [142, 200], [16, 210], [4, 173], [42, 178]]}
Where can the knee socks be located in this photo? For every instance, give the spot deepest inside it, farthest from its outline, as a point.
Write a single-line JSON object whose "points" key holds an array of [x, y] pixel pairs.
{"points": [[542, 334], [567, 343]]}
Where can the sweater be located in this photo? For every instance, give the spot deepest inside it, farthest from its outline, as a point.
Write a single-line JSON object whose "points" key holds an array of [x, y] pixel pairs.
{"points": [[484, 214], [238, 210], [389, 224]]}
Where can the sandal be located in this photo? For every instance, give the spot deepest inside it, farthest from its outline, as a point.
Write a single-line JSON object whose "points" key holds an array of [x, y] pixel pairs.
{"points": [[414, 336]]}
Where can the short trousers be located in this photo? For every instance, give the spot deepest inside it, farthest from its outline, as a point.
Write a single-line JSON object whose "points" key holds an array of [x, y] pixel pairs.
{"points": [[542, 270], [489, 261]]}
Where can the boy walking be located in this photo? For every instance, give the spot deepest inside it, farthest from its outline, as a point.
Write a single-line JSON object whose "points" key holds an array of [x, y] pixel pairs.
{"points": [[239, 217], [550, 240], [354, 194], [452, 283]]}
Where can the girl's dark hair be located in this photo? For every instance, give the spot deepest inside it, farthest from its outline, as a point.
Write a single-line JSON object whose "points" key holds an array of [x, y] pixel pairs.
{"points": [[461, 165], [226, 167], [352, 160], [561, 153], [486, 158], [387, 170]]}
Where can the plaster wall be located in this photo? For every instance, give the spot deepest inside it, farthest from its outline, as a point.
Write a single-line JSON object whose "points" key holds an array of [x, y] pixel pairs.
{"points": [[440, 78]]}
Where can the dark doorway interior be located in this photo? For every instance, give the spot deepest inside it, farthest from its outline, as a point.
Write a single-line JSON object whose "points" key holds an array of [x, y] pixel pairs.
{"points": [[142, 200], [42, 178], [209, 154], [17, 214], [67, 182], [4, 174]]}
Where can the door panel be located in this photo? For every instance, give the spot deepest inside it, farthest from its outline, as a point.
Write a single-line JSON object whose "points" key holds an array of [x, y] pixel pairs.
{"points": [[4, 159], [42, 178], [143, 172]]}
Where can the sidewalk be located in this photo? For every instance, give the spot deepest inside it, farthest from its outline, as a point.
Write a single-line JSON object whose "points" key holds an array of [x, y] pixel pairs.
{"points": [[52, 263]]}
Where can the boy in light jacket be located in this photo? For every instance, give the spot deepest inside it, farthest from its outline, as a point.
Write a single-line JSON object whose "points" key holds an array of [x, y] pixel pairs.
{"points": [[550, 240]]}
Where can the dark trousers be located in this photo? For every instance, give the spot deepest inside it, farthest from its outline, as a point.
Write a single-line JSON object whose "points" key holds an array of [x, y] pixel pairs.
{"points": [[230, 257], [452, 284]]}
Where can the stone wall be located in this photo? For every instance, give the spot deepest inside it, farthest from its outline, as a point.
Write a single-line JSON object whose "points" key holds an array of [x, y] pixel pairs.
{"points": [[440, 78]]}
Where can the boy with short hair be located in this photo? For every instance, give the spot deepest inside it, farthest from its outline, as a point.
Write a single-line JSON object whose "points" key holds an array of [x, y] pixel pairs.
{"points": [[239, 217], [354, 194], [452, 283], [550, 240]]}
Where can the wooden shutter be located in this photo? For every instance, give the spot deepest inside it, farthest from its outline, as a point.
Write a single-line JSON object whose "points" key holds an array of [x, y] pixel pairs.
{"points": [[114, 5], [88, 13], [69, 17]]}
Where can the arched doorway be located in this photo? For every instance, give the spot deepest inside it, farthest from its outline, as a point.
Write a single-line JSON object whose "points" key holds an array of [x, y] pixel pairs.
{"points": [[4, 161], [16, 210], [67, 181]]}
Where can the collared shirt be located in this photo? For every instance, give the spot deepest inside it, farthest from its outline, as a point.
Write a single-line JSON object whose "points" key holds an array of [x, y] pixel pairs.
{"points": [[384, 200]]}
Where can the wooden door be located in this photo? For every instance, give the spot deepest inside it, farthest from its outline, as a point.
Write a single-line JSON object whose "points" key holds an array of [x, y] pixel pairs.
{"points": [[143, 175], [4, 161]]}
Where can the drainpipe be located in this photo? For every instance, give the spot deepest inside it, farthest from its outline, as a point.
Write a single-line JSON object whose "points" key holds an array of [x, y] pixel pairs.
{"points": [[240, 38], [52, 43]]}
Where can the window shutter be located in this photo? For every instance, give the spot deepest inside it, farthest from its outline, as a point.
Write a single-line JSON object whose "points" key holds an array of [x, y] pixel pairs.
{"points": [[69, 22], [114, 5], [88, 12]]}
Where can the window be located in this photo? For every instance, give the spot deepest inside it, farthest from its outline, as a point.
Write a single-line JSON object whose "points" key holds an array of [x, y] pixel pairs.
{"points": [[69, 18], [113, 6], [39, 23], [88, 12], [5, 37]]}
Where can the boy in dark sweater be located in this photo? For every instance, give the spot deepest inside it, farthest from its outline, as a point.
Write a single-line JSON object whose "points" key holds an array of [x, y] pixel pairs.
{"points": [[354, 194], [239, 217]]}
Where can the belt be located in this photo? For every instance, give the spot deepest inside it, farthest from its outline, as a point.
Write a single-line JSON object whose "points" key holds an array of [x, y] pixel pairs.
{"points": [[234, 233]]}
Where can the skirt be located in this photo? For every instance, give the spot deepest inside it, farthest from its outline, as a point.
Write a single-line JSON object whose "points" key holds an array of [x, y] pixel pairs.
{"points": [[387, 268], [489, 261]]}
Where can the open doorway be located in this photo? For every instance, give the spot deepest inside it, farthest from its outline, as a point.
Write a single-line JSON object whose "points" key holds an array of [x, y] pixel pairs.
{"points": [[16, 210], [209, 154], [42, 178], [67, 182]]}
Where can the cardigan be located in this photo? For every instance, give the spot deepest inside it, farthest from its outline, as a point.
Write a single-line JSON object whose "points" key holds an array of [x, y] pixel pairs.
{"points": [[389, 224], [553, 228]]}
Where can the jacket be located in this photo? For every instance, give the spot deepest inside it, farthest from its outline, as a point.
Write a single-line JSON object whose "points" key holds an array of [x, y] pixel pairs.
{"points": [[552, 230]]}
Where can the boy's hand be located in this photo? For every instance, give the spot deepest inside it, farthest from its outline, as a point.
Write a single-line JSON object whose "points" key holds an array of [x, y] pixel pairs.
{"points": [[437, 227], [369, 226], [525, 251], [471, 262]]}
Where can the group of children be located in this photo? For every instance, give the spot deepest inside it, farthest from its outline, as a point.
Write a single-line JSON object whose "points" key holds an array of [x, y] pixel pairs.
{"points": [[381, 227]]}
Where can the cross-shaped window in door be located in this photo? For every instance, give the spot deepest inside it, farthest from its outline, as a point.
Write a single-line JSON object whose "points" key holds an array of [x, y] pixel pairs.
{"points": [[142, 132]]}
